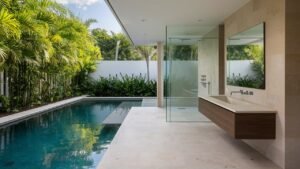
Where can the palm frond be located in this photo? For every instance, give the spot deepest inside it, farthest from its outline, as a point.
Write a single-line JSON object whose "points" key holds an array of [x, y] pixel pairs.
{"points": [[5, 3], [3, 55], [89, 22], [9, 26], [57, 39], [31, 61]]}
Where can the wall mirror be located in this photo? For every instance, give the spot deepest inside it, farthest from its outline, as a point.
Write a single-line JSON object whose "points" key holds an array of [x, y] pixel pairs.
{"points": [[246, 58]]}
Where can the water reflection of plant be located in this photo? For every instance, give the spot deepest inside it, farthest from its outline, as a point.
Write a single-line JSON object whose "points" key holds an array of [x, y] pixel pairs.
{"points": [[76, 145], [69, 138]]}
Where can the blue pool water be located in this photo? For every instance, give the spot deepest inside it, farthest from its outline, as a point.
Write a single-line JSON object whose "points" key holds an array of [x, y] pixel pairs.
{"points": [[69, 138]]}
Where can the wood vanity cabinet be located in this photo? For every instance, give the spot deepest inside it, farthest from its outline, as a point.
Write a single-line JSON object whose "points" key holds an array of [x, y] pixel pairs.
{"points": [[240, 125]]}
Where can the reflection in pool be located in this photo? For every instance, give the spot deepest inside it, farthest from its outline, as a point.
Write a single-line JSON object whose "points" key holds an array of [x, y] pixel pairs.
{"points": [[69, 138]]}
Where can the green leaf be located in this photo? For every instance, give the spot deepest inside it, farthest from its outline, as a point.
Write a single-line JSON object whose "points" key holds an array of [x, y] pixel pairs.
{"points": [[9, 26]]}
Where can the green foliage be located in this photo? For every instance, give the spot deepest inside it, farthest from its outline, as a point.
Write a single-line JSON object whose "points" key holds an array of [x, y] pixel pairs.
{"points": [[46, 54], [4, 103], [245, 52], [108, 43], [9, 26], [146, 52], [248, 52], [44, 50], [237, 52], [183, 52], [259, 70], [244, 81], [123, 86]]}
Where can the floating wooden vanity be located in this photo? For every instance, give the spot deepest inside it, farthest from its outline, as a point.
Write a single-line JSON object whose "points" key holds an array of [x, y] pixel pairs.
{"points": [[244, 121]]}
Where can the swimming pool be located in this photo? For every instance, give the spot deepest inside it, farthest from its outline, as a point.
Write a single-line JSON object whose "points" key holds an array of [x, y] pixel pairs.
{"points": [[72, 137]]}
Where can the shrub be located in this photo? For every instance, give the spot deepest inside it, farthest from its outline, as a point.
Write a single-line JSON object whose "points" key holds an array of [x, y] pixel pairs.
{"points": [[123, 86], [4, 101], [243, 81], [259, 70]]}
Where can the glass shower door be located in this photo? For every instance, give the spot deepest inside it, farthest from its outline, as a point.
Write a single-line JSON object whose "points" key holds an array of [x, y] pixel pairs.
{"points": [[191, 59], [181, 79]]}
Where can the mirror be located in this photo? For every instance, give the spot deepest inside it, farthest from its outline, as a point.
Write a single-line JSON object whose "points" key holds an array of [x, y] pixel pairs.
{"points": [[246, 58]]}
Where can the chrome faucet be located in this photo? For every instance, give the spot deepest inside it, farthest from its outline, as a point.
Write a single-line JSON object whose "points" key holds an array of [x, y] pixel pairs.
{"points": [[242, 92], [246, 92]]}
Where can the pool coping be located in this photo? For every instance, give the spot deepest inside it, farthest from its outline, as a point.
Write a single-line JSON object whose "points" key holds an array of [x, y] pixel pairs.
{"points": [[17, 117]]}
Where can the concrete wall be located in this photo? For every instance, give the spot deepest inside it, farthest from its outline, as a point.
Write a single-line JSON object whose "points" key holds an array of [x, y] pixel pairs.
{"points": [[106, 68], [272, 12], [208, 63]]}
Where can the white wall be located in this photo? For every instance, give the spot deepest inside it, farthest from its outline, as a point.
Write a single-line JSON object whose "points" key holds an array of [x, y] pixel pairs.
{"points": [[239, 67], [106, 68]]}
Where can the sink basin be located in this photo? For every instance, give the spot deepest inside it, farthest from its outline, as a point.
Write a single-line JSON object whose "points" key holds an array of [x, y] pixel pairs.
{"points": [[230, 100], [236, 105], [222, 98]]}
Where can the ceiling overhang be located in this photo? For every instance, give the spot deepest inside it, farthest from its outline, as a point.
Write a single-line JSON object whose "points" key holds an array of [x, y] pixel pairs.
{"points": [[145, 21]]}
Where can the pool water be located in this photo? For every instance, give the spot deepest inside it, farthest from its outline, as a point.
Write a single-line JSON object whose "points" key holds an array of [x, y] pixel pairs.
{"points": [[69, 138]]}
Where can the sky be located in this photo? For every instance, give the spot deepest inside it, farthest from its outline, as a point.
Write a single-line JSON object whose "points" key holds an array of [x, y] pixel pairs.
{"points": [[93, 9]]}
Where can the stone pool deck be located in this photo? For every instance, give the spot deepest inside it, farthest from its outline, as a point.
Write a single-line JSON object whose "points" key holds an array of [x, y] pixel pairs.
{"points": [[146, 141]]}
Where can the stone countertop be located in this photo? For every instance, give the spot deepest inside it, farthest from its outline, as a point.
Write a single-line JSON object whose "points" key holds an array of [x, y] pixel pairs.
{"points": [[238, 106]]}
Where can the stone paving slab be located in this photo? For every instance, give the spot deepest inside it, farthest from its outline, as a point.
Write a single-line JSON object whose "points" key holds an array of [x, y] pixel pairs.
{"points": [[146, 141], [119, 114], [149, 102]]}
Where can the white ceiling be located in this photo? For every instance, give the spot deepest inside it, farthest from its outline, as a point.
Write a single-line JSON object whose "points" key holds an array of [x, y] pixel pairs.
{"points": [[254, 35], [145, 21]]}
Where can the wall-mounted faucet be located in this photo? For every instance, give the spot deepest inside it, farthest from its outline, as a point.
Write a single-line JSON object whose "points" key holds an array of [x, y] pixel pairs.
{"points": [[246, 92], [232, 92], [242, 92]]}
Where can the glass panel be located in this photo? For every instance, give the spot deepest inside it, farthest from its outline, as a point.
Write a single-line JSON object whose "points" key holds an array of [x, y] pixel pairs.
{"points": [[181, 74]]}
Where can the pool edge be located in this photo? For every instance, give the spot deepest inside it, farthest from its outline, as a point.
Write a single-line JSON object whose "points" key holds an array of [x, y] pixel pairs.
{"points": [[14, 118], [17, 117]]}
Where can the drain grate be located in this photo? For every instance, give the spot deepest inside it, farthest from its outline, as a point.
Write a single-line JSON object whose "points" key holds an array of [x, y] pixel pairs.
{"points": [[181, 108]]}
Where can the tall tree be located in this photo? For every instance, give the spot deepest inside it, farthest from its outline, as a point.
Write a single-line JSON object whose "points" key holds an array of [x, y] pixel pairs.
{"points": [[108, 43], [44, 50], [147, 52]]}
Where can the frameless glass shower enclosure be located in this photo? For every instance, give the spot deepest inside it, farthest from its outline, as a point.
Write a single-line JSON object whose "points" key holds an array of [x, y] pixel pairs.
{"points": [[183, 44]]}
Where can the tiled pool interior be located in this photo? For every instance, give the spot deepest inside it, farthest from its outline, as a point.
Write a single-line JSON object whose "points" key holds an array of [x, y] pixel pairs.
{"points": [[69, 138]]}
